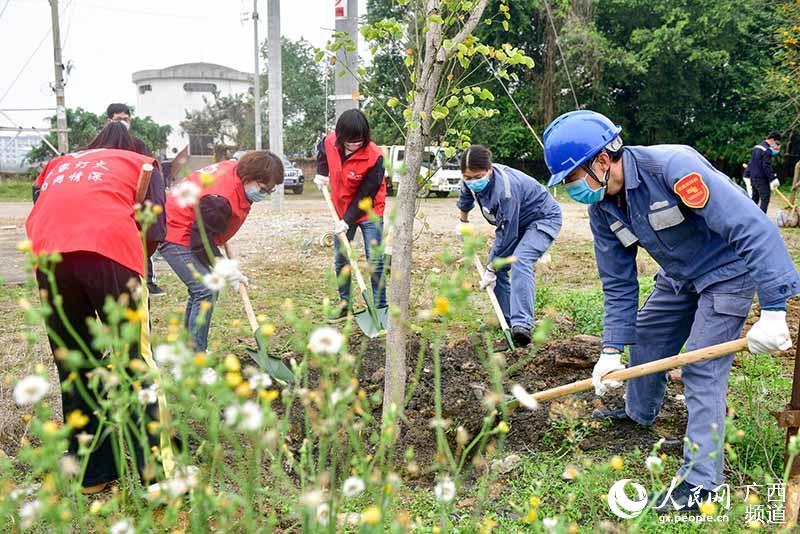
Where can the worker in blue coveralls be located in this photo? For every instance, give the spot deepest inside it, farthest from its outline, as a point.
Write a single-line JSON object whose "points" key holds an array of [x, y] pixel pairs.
{"points": [[527, 219], [715, 248]]}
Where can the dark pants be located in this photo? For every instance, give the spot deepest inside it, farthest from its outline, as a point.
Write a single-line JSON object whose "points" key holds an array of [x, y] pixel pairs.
{"points": [[372, 233], [84, 280], [761, 193]]}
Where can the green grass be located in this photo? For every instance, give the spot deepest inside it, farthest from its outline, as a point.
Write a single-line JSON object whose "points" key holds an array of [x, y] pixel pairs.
{"points": [[15, 190]]}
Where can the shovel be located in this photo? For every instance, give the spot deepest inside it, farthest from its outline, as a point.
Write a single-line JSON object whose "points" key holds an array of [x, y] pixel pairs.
{"points": [[371, 321], [272, 365], [657, 366], [496, 306]]}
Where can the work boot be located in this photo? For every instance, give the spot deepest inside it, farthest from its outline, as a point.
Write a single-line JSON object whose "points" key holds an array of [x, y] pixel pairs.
{"points": [[154, 290], [684, 498], [521, 336], [610, 414], [340, 313]]}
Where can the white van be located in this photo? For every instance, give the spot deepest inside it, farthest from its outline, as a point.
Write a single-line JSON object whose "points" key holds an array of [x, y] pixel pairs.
{"points": [[438, 175]]}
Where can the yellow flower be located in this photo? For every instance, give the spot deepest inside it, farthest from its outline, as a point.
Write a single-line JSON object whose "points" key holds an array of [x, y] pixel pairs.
{"points": [[535, 501], [77, 419], [531, 516], [707, 508], [50, 427], [136, 365], [232, 363], [269, 395], [441, 306], [617, 463], [25, 246], [371, 515], [233, 379], [95, 507], [236, 323], [502, 427], [487, 525], [268, 330], [243, 390], [133, 316], [157, 209], [24, 304], [200, 359], [207, 180], [753, 499], [261, 318], [365, 204], [467, 229], [205, 306]]}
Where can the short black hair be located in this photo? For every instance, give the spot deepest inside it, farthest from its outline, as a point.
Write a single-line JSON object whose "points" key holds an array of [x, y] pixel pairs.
{"points": [[113, 109], [776, 135], [476, 157], [352, 125]]}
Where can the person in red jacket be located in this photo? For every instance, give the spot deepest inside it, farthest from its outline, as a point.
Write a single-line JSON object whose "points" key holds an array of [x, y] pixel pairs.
{"points": [[352, 165], [84, 210], [225, 192]]}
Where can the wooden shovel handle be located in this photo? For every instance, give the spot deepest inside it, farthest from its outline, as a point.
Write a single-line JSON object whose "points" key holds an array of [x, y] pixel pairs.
{"points": [[248, 306], [344, 241], [492, 297], [143, 183], [707, 353]]}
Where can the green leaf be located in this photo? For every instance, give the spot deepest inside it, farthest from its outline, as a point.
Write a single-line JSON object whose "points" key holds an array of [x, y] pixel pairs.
{"points": [[453, 101], [436, 19], [486, 95], [469, 99], [505, 25], [393, 102]]}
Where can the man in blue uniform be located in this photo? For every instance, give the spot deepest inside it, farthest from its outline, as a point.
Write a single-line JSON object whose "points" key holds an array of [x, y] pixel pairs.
{"points": [[527, 219], [759, 170], [716, 250]]}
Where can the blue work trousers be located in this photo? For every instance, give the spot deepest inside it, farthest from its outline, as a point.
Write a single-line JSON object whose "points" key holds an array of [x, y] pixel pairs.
{"points": [[516, 284], [669, 319], [372, 232], [183, 261]]}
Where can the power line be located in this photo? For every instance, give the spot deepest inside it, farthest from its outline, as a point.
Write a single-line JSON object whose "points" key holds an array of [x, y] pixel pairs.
{"points": [[513, 101], [561, 52], [4, 8]]}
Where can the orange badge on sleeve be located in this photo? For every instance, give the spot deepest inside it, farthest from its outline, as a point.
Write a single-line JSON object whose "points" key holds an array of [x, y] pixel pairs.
{"points": [[692, 190]]}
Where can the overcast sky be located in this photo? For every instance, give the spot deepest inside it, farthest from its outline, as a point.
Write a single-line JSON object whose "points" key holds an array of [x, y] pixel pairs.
{"points": [[107, 40]]}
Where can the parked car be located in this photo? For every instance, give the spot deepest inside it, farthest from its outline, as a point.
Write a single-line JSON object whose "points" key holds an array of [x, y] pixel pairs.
{"points": [[293, 178], [438, 175]]}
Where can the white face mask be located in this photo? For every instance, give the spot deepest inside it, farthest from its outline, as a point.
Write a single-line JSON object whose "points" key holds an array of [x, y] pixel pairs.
{"points": [[349, 148]]}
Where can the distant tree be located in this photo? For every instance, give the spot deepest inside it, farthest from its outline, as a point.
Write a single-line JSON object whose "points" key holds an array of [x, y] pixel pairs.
{"points": [[229, 120]]}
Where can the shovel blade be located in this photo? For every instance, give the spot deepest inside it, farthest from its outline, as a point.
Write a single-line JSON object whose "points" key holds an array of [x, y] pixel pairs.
{"points": [[274, 367], [509, 339], [372, 325]]}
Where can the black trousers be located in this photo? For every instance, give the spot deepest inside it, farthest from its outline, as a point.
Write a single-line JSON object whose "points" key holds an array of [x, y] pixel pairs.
{"points": [[83, 280], [761, 193]]}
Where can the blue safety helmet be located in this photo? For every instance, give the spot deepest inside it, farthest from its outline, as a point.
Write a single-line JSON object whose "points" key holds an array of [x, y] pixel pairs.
{"points": [[573, 139]]}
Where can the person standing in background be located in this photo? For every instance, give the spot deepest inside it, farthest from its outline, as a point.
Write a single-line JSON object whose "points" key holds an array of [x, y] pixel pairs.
{"points": [[759, 170]]}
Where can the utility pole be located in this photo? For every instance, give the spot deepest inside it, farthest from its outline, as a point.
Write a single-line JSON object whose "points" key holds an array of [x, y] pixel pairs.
{"points": [[346, 87], [275, 89], [61, 110], [257, 78]]}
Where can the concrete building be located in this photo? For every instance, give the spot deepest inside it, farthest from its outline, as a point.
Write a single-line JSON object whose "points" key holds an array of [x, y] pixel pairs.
{"points": [[166, 94], [14, 151]]}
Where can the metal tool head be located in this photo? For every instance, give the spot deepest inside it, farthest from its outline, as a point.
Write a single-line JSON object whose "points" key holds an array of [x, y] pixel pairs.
{"points": [[273, 366], [372, 324]]}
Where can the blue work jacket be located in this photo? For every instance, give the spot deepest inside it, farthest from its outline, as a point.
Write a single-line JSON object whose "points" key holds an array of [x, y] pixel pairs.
{"points": [[725, 237], [512, 202]]}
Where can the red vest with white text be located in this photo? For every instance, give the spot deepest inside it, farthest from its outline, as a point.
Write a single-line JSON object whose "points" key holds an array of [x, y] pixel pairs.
{"points": [[86, 204], [346, 176], [228, 185]]}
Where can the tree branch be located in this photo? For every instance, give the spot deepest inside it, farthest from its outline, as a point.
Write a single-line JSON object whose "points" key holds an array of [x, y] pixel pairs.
{"points": [[466, 30]]}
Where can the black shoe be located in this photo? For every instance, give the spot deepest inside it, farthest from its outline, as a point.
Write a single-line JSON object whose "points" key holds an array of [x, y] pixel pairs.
{"points": [[340, 315], [154, 291], [521, 336], [684, 498], [608, 414]]}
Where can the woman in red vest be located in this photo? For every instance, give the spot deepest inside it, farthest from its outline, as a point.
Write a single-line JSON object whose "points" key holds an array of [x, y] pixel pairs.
{"points": [[83, 209], [225, 192], [352, 165]]}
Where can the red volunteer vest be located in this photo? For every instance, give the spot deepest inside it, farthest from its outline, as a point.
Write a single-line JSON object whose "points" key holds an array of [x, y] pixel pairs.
{"points": [[227, 184], [86, 204], [346, 177]]}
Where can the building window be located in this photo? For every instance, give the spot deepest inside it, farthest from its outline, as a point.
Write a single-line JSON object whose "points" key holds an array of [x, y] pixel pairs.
{"points": [[194, 87], [145, 88], [201, 145]]}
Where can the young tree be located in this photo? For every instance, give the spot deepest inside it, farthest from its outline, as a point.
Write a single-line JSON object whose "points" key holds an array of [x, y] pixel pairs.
{"points": [[441, 52]]}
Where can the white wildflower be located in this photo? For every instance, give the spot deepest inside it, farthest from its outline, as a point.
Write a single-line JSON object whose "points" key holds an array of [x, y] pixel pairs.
{"points": [[323, 514], [260, 381], [208, 376], [312, 499], [550, 523], [186, 193], [30, 390], [525, 399], [29, 511], [246, 417], [325, 340], [172, 356], [352, 487], [653, 463], [69, 465], [445, 490], [122, 527], [213, 281], [148, 395]]}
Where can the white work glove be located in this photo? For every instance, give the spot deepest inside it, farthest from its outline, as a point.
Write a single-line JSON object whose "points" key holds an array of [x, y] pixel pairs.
{"points": [[237, 279], [608, 362], [321, 181], [340, 227], [774, 184], [770, 334], [489, 278]]}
